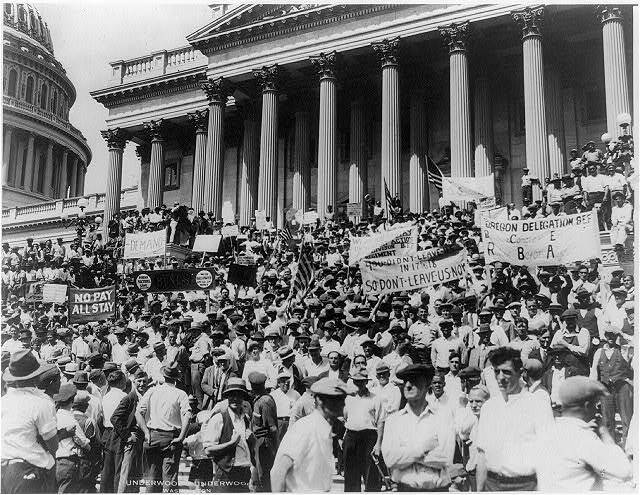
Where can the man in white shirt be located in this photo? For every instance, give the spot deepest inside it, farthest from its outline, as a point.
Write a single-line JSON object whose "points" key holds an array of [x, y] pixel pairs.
{"points": [[284, 397], [508, 427], [571, 456], [621, 219]]}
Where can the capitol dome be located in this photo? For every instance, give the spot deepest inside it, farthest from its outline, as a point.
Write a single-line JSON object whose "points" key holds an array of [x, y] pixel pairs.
{"points": [[44, 156]]}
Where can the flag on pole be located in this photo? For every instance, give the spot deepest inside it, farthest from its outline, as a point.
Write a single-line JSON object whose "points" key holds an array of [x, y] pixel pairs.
{"points": [[286, 237], [304, 274], [435, 174], [388, 197]]}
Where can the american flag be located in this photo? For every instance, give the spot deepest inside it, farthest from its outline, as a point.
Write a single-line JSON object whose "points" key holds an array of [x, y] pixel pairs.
{"points": [[387, 195], [435, 174], [304, 274], [286, 237]]}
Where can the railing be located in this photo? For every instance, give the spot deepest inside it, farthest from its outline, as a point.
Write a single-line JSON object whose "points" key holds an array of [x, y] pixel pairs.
{"points": [[50, 210], [157, 63], [42, 114]]}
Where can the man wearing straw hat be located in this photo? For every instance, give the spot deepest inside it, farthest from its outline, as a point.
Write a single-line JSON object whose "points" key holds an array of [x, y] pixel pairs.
{"points": [[29, 428]]}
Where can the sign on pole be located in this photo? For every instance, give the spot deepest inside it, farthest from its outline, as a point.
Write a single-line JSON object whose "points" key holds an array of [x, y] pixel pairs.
{"points": [[230, 231], [207, 243], [261, 220], [242, 274], [542, 241], [145, 245], [175, 280], [91, 304], [310, 218], [354, 209], [227, 213], [411, 272], [397, 241], [54, 293]]}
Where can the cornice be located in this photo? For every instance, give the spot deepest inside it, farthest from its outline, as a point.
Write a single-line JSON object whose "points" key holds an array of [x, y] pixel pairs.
{"points": [[275, 28], [142, 90]]}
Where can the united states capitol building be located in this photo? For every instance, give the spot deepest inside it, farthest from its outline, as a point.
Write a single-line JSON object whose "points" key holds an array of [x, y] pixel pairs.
{"points": [[309, 105]]}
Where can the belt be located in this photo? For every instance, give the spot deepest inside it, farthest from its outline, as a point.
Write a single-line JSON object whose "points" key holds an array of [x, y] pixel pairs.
{"points": [[165, 431], [511, 479], [283, 418], [73, 458], [402, 487]]}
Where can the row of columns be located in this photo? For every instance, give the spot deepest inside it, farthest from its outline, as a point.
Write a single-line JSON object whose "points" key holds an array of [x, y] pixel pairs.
{"points": [[469, 156], [34, 173]]}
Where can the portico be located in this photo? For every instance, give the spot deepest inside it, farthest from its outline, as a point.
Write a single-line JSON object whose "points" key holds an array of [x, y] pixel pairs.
{"points": [[280, 106]]}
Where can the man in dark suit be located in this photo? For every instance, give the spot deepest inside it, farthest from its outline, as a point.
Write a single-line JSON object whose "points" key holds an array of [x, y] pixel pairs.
{"points": [[131, 437], [215, 378]]}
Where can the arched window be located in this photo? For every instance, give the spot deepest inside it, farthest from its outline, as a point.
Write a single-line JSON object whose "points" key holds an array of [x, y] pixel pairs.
{"points": [[29, 92], [12, 84], [54, 102], [43, 97]]}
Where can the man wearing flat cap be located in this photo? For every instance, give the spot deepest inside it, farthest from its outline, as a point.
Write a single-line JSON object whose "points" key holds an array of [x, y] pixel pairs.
{"points": [[418, 445], [573, 456], [304, 462]]}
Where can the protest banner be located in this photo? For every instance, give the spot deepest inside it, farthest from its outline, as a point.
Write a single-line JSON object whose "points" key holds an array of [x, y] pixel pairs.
{"points": [[487, 203], [230, 231], [410, 272], [242, 274], [227, 213], [400, 240], [54, 293], [494, 213], [175, 280], [310, 218], [91, 304], [354, 209], [206, 243], [261, 220], [145, 245], [467, 188], [542, 241]]}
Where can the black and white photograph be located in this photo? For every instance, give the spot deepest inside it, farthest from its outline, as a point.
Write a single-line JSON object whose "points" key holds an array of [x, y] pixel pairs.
{"points": [[341, 247]]}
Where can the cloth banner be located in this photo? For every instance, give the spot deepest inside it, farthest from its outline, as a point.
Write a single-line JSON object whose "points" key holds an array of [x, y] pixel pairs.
{"points": [[243, 275], [493, 213], [206, 243], [543, 241], [145, 245], [467, 188], [175, 280], [54, 293], [87, 305], [400, 240], [230, 231], [261, 220], [227, 213], [411, 272]]}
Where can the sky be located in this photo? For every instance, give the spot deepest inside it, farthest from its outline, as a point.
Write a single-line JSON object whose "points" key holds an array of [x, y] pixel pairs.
{"points": [[88, 35]]}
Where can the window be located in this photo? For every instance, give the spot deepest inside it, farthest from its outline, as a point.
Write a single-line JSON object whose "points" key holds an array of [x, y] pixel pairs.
{"points": [[43, 97], [29, 93], [12, 84], [54, 102], [171, 176]]}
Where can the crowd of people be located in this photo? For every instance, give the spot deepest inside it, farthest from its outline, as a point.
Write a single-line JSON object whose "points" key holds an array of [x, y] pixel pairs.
{"points": [[511, 378]]}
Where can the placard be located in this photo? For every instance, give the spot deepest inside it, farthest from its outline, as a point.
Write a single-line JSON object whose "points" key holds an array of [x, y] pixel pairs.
{"points": [[207, 243], [246, 259], [487, 203], [230, 231], [227, 213], [242, 274], [175, 280], [261, 220], [310, 218], [87, 305], [145, 245], [411, 272], [354, 209], [542, 241], [402, 239], [54, 293]]}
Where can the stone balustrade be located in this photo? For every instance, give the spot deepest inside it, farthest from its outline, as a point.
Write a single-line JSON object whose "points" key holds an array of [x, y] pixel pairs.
{"points": [[155, 64], [52, 210]]}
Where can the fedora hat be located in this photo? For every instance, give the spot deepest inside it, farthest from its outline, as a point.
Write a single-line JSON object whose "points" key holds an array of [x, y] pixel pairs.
{"points": [[171, 372], [23, 365], [81, 377], [235, 385], [285, 352]]}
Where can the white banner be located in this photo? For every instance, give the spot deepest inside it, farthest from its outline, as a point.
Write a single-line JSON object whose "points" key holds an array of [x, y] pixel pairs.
{"points": [[493, 213], [207, 243], [54, 293], [467, 188], [542, 241], [230, 231], [416, 271], [261, 220], [401, 239], [146, 245], [227, 213]]}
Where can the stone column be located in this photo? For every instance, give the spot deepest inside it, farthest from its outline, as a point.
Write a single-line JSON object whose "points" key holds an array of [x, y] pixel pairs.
{"points": [[63, 173], [555, 120], [301, 159], [325, 64], [28, 168], [418, 184], [250, 164], [358, 156], [483, 126], [116, 141], [615, 67], [456, 37], [48, 188], [73, 174], [19, 168], [156, 130], [82, 171], [387, 50], [530, 21], [6, 156], [216, 92], [37, 169], [199, 120], [268, 78]]}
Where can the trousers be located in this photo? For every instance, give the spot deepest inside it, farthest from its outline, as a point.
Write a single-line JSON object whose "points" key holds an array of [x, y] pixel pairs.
{"points": [[358, 464], [497, 483], [236, 480], [131, 468], [112, 462], [196, 382], [163, 461], [619, 400], [22, 477]]}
